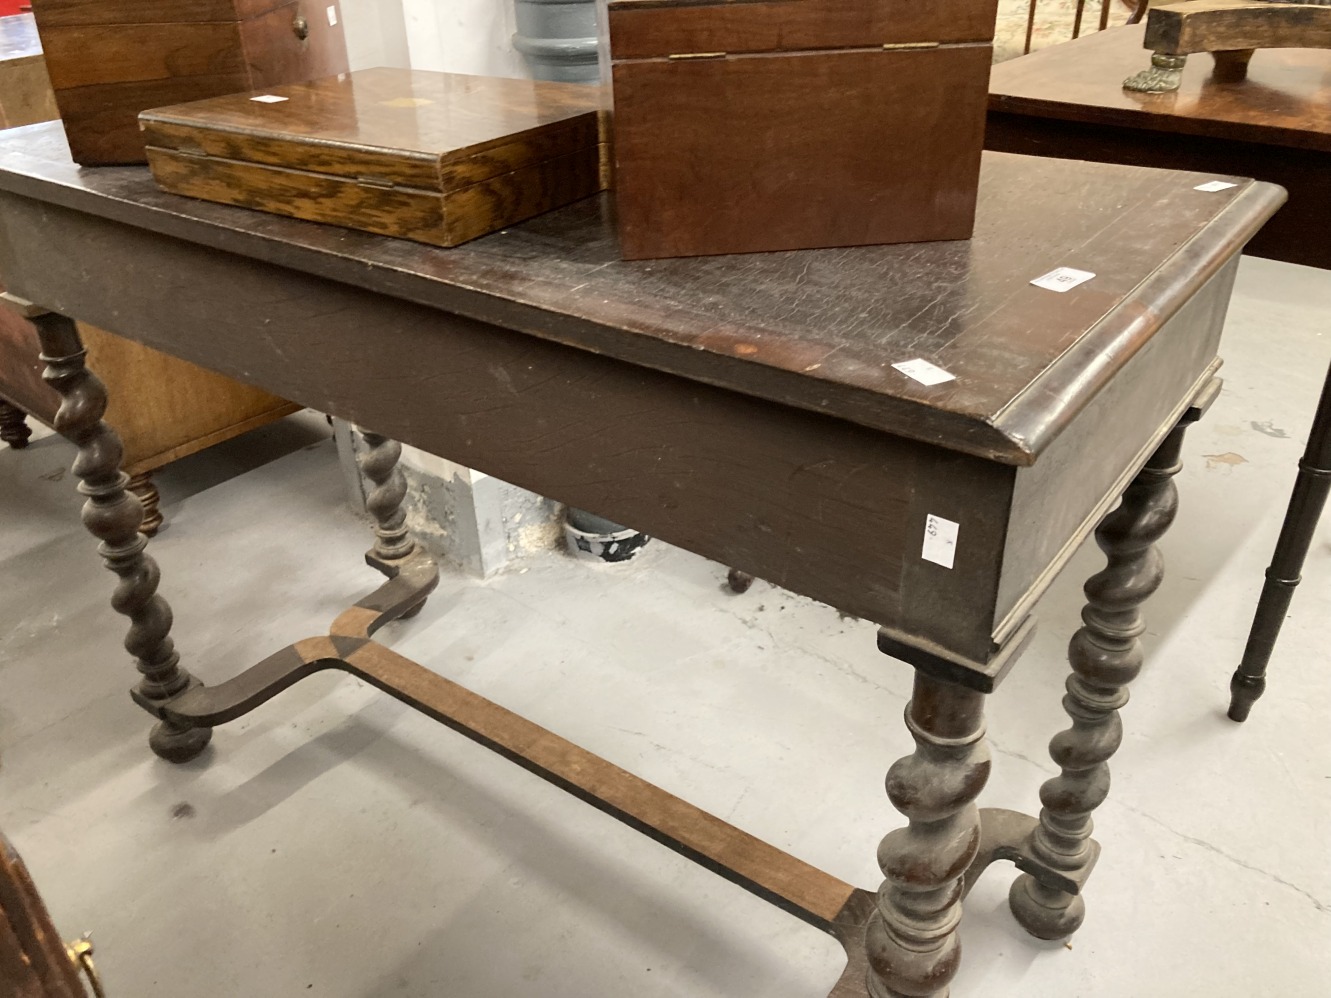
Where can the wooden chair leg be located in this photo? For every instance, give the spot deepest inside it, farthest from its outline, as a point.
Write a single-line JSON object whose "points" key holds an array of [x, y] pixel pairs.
{"points": [[14, 428]]}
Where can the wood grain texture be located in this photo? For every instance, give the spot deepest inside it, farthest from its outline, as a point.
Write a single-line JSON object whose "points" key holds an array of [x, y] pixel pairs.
{"points": [[111, 59], [163, 408], [815, 330], [1219, 25], [433, 131], [433, 157], [74, 12], [778, 152], [645, 29], [1065, 101], [1284, 102], [25, 89]]}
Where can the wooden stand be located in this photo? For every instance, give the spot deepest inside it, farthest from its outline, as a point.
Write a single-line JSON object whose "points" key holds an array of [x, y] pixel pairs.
{"points": [[900, 941]]}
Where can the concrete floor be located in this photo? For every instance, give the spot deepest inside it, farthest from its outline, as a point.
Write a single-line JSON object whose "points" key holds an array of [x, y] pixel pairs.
{"points": [[335, 843]]}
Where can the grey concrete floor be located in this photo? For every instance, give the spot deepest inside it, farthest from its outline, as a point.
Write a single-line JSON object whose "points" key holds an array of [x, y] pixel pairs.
{"points": [[335, 843]]}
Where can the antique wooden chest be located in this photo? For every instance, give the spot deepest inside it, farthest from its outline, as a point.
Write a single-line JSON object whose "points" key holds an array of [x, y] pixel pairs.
{"points": [[746, 125], [111, 59], [435, 157]]}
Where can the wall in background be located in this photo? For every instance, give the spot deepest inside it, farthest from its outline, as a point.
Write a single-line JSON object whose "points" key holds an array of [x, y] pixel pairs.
{"points": [[455, 36]]}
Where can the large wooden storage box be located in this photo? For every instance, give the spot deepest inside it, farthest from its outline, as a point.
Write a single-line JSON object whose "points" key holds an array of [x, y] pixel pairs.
{"points": [[111, 59], [746, 125], [435, 157]]}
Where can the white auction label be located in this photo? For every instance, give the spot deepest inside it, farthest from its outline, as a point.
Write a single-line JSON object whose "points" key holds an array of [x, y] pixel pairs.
{"points": [[332, 17], [1215, 185], [269, 99], [922, 371], [940, 540], [1062, 279]]}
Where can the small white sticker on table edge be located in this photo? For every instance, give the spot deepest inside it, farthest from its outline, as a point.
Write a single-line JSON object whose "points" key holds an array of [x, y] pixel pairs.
{"points": [[922, 371], [940, 540], [332, 17], [1062, 279], [269, 99], [1210, 187]]}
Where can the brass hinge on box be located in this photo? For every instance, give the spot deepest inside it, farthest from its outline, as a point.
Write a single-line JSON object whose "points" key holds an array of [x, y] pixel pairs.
{"points": [[382, 183], [696, 55], [894, 46]]}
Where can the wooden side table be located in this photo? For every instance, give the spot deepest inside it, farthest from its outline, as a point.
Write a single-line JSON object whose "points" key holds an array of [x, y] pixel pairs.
{"points": [[164, 408], [917, 435], [1067, 101]]}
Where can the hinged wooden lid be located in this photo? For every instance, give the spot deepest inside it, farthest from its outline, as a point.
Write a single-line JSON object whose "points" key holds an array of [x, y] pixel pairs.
{"points": [[657, 29], [389, 127], [61, 13]]}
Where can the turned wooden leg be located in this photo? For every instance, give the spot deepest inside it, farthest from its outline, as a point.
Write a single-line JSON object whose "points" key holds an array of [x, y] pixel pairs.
{"points": [[14, 426], [113, 515], [143, 486], [1284, 573], [378, 462], [911, 939], [1106, 655]]}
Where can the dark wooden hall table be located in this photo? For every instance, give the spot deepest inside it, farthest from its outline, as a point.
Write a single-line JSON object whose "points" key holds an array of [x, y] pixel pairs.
{"points": [[1068, 101], [916, 434]]}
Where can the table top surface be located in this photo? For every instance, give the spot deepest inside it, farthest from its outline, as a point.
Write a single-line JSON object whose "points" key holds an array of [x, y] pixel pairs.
{"points": [[18, 38], [1285, 101], [815, 329]]}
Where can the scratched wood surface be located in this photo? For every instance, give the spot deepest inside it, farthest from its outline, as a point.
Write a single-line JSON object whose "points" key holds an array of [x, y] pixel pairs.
{"points": [[110, 59], [1067, 101], [434, 157], [820, 329]]}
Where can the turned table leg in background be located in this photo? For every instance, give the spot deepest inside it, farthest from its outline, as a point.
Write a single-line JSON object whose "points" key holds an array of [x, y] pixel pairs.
{"points": [[143, 486], [113, 515], [1106, 655], [1296, 536], [393, 543]]}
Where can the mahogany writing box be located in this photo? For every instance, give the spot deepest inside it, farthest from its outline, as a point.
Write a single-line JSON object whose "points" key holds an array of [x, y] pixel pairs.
{"points": [[436, 157], [746, 125], [111, 59]]}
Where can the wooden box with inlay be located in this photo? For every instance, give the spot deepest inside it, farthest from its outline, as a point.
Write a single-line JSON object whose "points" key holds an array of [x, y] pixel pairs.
{"points": [[435, 157], [111, 59], [747, 125]]}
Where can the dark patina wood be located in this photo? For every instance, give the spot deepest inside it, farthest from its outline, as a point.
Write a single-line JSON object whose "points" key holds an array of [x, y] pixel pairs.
{"points": [[753, 416], [1066, 101], [435, 157], [792, 124], [111, 59]]}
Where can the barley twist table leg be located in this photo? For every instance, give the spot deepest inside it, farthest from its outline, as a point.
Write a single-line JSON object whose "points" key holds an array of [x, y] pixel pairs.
{"points": [[1106, 655], [393, 543], [113, 515], [911, 939]]}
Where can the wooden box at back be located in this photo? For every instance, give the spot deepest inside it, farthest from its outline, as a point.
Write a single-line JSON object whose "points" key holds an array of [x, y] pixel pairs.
{"points": [[111, 59], [747, 125], [435, 157]]}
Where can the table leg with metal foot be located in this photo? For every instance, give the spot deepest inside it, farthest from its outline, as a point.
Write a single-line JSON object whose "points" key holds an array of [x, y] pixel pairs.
{"points": [[1296, 535]]}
